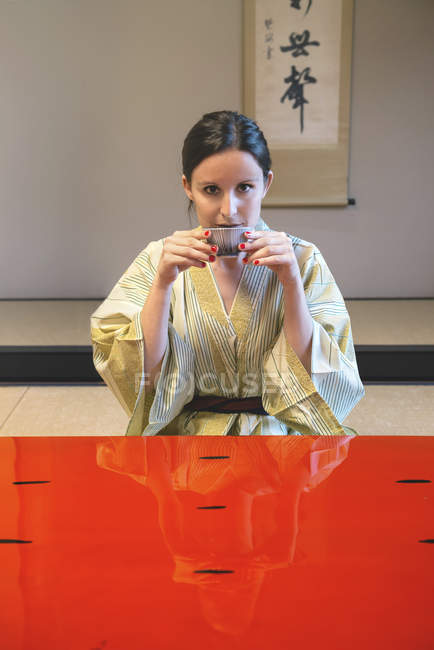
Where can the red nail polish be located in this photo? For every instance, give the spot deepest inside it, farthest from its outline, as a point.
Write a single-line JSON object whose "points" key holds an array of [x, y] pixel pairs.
{"points": [[212, 258], [214, 249], [256, 262], [245, 260], [247, 232], [242, 246], [203, 264], [206, 233]]}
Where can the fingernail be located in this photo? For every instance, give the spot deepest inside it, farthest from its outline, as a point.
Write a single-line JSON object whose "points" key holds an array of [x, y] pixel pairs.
{"points": [[206, 233], [214, 249], [247, 232], [203, 264], [256, 262], [245, 260], [242, 246], [212, 258]]}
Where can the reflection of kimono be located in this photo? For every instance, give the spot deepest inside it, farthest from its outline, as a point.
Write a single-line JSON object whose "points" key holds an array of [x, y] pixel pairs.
{"points": [[228, 509], [185, 473], [242, 354]]}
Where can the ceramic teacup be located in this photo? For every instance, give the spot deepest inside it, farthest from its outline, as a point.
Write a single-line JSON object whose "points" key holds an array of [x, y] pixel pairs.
{"points": [[227, 239]]}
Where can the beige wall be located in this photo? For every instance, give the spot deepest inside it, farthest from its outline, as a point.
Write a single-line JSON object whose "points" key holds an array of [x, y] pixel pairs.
{"points": [[97, 96]]}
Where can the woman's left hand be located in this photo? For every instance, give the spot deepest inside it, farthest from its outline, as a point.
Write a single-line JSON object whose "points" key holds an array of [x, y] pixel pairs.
{"points": [[272, 249]]}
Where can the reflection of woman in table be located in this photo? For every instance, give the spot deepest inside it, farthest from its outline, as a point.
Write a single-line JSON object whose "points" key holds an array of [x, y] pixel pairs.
{"points": [[193, 343], [228, 511]]}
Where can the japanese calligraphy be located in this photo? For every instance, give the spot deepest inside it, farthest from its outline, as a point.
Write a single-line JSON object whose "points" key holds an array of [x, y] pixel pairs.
{"points": [[295, 91], [269, 37], [296, 4], [299, 43]]}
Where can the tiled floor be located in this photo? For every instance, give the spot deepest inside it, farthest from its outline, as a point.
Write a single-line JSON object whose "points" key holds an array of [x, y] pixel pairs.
{"points": [[60, 411], [92, 410]]}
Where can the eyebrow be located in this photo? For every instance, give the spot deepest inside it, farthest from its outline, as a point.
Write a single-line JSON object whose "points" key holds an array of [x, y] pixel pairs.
{"points": [[246, 180]]}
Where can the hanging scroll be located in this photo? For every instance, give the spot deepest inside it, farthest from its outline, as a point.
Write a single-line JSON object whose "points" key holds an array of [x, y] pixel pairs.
{"points": [[297, 68]]}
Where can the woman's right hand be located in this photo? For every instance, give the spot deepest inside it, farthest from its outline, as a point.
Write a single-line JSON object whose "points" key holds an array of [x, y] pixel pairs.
{"points": [[181, 250]]}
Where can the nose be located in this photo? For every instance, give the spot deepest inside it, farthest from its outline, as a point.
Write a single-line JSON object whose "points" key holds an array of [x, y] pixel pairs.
{"points": [[228, 207]]}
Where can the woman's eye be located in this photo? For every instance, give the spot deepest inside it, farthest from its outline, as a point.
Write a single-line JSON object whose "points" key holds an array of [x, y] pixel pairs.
{"points": [[211, 189], [244, 187]]}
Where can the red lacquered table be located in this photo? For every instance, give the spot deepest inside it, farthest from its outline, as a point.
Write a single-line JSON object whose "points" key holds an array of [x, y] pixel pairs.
{"points": [[209, 542]]}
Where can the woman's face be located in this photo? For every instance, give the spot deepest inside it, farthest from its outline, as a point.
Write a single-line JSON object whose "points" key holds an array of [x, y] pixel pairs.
{"points": [[227, 189]]}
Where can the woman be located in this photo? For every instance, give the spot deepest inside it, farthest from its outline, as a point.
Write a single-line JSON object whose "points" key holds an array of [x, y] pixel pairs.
{"points": [[195, 344]]}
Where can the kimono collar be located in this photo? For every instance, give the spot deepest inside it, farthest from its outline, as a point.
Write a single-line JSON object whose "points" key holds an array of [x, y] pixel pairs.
{"points": [[261, 225]]}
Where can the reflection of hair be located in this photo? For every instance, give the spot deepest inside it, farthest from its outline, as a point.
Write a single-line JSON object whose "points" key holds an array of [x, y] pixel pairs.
{"points": [[222, 130]]}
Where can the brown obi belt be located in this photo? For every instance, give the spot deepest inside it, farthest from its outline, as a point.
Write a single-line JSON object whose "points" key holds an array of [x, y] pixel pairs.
{"points": [[227, 404]]}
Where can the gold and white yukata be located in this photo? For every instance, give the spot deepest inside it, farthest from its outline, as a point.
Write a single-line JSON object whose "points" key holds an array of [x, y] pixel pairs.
{"points": [[240, 354]]}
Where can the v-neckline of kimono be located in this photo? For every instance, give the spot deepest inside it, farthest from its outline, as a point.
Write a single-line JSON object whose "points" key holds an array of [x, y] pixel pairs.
{"points": [[217, 289]]}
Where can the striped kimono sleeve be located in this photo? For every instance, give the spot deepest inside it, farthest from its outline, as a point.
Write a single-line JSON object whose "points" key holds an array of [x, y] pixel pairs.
{"points": [[334, 368], [116, 332], [118, 351], [318, 402]]}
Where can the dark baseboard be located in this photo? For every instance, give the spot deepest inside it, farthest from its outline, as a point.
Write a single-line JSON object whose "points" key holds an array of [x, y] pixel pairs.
{"points": [[74, 364], [51, 363], [396, 363]]}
